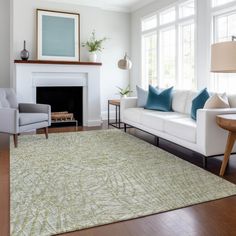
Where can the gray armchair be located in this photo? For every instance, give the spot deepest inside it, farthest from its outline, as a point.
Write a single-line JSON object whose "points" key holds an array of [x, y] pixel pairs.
{"points": [[18, 118]]}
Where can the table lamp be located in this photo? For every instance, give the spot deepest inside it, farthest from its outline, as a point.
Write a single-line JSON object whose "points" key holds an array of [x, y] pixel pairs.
{"points": [[223, 60], [223, 57]]}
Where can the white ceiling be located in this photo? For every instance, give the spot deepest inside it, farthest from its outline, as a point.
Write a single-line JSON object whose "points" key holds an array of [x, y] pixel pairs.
{"points": [[116, 5]]}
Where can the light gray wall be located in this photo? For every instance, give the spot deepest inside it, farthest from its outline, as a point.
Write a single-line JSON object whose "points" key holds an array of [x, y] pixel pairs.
{"points": [[4, 43], [114, 25]]}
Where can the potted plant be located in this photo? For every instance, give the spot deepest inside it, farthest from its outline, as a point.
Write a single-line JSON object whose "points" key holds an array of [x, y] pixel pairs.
{"points": [[93, 45], [124, 92]]}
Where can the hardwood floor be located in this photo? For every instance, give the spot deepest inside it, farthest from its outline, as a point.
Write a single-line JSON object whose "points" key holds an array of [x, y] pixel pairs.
{"points": [[4, 185], [212, 218]]}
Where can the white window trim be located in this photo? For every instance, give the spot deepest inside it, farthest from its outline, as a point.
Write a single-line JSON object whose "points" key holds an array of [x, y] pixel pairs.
{"points": [[222, 7]]}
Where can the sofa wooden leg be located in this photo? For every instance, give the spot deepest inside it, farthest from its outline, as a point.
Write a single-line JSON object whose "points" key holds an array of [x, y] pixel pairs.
{"points": [[157, 141], [204, 162], [46, 132], [15, 138]]}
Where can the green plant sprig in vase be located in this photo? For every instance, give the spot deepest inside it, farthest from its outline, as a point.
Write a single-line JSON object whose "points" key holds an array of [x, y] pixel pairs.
{"points": [[124, 92], [94, 45]]}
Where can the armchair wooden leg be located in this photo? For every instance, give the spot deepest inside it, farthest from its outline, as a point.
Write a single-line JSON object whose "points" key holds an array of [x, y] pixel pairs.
{"points": [[15, 138], [46, 132]]}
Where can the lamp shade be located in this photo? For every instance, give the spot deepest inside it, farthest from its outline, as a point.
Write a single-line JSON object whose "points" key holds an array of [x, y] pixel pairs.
{"points": [[125, 64], [223, 57]]}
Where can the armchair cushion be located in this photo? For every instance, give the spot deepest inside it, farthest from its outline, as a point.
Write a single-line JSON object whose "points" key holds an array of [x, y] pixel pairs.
{"points": [[32, 118]]}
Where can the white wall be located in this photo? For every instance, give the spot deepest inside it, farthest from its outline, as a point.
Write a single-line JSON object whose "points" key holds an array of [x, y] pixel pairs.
{"points": [[113, 25], [4, 43], [203, 24]]}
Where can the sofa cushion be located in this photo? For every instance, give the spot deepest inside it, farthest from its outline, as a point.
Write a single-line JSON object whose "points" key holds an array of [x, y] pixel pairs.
{"points": [[188, 104], [133, 114], [142, 95], [199, 102], [32, 118], [179, 100], [232, 101], [156, 119], [159, 100], [183, 128]]}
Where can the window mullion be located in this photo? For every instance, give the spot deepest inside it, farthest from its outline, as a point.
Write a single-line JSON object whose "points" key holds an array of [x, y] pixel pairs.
{"points": [[177, 50]]}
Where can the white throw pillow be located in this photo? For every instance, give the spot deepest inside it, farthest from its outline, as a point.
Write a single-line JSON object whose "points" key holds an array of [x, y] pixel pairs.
{"points": [[217, 102]]}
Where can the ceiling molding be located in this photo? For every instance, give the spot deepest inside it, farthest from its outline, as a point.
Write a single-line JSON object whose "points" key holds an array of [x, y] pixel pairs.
{"points": [[106, 6], [141, 4]]}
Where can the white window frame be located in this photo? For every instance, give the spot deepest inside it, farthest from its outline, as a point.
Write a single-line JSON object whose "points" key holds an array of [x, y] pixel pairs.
{"points": [[144, 69], [176, 24]]}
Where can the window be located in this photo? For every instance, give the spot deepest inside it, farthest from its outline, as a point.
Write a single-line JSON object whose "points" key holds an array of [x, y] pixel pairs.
{"points": [[149, 23], [168, 47], [149, 50], [167, 16], [187, 56], [216, 3], [186, 9], [167, 57], [150, 58], [224, 28]]}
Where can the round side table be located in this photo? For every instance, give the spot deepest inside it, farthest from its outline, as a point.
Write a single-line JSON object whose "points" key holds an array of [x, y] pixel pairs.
{"points": [[227, 122]]}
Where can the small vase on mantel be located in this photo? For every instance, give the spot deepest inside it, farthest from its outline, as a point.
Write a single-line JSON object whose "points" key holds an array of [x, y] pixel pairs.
{"points": [[93, 57], [24, 53]]}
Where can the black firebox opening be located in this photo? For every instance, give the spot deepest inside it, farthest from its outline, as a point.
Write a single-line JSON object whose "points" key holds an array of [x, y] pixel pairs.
{"points": [[63, 99]]}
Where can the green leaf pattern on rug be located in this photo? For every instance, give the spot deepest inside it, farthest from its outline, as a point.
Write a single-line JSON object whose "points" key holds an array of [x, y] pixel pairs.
{"points": [[79, 180]]}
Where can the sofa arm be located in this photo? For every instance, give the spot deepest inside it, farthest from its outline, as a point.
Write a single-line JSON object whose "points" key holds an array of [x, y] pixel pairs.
{"points": [[34, 108], [9, 120], [211, 139], [125, 103]]}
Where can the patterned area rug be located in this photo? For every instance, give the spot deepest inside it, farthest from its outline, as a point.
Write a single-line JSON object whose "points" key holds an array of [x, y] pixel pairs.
{"points": [[79, 180]]}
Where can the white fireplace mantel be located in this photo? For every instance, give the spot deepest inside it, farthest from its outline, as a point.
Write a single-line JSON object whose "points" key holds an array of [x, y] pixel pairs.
{"points": [[30, 75]]}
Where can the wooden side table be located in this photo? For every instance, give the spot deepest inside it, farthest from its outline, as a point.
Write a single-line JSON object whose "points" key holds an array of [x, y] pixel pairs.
{"points": [[227, 122], [116, 103]]}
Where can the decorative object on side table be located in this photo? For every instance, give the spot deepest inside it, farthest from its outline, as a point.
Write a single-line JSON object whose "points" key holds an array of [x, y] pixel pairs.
{"points": [[223, 60], [24, 53], [93, 45], [58, 35], [124, 92]]}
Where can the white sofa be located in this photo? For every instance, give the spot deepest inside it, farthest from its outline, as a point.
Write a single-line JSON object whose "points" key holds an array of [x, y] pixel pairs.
{"points": [[202, 136]]}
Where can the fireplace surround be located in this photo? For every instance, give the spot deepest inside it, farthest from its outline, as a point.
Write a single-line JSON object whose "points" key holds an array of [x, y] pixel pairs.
{"points": [[32, 75]]}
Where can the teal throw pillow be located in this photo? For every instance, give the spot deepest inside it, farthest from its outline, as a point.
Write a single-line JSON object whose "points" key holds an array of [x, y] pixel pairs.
{"points": [[159, 100], [199, 102]]}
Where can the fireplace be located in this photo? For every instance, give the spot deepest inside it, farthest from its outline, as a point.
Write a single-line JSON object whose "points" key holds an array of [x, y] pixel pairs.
{"points": [[63, 100], [31, 75]]}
